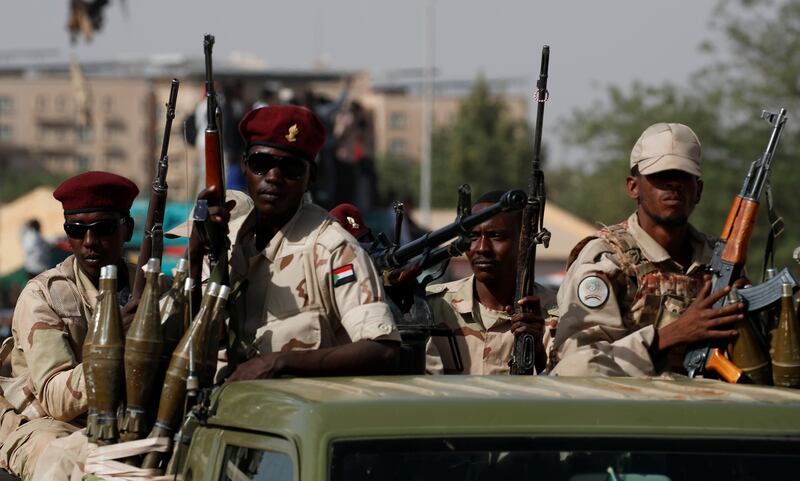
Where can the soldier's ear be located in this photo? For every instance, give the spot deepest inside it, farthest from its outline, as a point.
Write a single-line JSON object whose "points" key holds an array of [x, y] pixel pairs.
{"points": [[632, 186], [129, 226], [699, 189]]}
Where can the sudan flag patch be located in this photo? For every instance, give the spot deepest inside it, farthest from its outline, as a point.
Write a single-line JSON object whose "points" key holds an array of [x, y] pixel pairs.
{"points": [[343, 275]]}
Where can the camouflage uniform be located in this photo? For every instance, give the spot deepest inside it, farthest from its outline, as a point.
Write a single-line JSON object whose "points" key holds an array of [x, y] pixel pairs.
{"points": [[483, 335], [620, 287], [48, 391], [312, 287]]}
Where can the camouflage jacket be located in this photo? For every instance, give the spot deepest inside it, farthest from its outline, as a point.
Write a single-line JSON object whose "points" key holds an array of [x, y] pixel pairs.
{"points": [[311, 287], [483, 336], [620, 287]]}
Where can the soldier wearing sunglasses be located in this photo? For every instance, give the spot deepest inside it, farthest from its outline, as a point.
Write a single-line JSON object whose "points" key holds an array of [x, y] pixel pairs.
{"points": [[51, 319], [315, 304]]}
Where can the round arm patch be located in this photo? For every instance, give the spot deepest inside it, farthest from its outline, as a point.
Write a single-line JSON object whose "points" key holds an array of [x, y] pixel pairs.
{"points": [[593, 291]]}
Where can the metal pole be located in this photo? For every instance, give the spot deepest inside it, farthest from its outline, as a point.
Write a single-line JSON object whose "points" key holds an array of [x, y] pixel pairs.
{"points": [[427, 118]]}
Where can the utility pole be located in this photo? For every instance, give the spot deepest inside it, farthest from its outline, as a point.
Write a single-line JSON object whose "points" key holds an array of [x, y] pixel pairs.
{"points": [[427, 117]]}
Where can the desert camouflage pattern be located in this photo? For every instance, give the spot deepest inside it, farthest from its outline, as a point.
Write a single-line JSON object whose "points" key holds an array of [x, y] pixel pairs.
{"points": [[483, 335], [292, 302], [48, 391], [647, 290]]}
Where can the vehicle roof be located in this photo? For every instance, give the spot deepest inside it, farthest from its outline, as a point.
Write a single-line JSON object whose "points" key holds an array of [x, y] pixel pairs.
{"points": [[400, 406]]}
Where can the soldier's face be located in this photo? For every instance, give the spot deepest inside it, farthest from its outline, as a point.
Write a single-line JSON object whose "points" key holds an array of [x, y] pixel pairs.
{"points": [[667, 198], [276, 181], [96, 239], [493, 251]]}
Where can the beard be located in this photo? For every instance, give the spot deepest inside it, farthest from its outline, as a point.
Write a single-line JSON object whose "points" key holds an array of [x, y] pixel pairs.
{"points": [[677, 220]]}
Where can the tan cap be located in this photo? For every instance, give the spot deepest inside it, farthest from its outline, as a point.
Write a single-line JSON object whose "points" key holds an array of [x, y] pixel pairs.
{"points": [[666, 147]]}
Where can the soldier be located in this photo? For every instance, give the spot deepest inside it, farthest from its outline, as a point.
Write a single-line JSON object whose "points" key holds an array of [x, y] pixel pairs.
{"points": [[635, 294], [485, 330], [314, 304], [52, 313]]}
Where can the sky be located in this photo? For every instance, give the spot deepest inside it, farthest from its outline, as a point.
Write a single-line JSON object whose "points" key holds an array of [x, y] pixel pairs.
{"points": [[594, 43]]}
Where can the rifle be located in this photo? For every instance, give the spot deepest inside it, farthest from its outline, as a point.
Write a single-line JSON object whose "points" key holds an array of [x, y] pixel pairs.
{"points": [[153, 240], [730, 256], [213, 235], [533, 231], [388, 257]]}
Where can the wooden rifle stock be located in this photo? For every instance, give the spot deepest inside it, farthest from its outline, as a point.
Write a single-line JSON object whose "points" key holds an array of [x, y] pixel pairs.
{"points": [[153, 239]]}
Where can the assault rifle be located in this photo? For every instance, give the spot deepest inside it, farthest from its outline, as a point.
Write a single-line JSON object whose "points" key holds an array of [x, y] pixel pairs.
{"points": [[533, 232], [390, 257], [153, 240], [213, 235], [730, 257]]}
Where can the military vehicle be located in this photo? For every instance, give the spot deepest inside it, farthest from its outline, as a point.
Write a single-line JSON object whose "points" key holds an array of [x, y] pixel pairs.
{"points": [[495, 428]]}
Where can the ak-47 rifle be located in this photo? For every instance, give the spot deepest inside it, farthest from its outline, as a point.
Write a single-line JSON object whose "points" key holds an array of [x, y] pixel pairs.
{"points": [[730, 257], [213, 234], [153, 240], [522, 356]]}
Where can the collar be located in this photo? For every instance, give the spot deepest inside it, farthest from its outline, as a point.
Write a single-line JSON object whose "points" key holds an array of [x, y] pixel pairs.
{"points": [[462, 300], [247, 238], [652, 250], [87, 290]]}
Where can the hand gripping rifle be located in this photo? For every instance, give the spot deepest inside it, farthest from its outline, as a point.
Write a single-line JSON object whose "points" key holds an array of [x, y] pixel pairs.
{"points": [[153, 240], [730, 257], [533, 232]]}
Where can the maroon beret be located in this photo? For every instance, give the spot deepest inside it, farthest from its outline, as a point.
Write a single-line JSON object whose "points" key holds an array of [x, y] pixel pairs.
{"points": [[96, 191], [296, 130], [351, 219]]}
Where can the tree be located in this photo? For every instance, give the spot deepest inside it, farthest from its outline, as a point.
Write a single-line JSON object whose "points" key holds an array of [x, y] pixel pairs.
{"points": [[722, 104], [485, 147]]}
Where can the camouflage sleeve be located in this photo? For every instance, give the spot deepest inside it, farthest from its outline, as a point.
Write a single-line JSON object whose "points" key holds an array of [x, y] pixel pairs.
{"points": [[592, 337], [56, 377], [357, 295]]}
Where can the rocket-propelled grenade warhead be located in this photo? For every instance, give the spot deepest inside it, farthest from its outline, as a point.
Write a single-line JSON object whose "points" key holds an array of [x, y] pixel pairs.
{"points": [[189, 351], [105, 360], [143, 347]]}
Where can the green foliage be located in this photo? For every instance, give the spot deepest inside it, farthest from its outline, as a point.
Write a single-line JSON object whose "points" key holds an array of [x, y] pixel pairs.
{"points": [[398, 178], [13, 185], [722, 104], [485, 148]]}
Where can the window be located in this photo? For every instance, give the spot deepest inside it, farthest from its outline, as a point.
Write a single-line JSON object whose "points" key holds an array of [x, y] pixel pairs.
{"points": [[583, 459], [397, 147], [6, 105], [107, 103], [41, 103], [398, 120], [83, 162], [61, 103], [6, 133], [242, 464], [85, 134]]}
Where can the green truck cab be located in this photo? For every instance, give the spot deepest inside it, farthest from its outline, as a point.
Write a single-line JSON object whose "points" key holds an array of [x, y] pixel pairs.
{"points": [[419, 428]]}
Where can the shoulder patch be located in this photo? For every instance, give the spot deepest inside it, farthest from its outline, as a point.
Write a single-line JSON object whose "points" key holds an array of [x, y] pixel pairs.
{"points": [[343, 275], [593, 291]]}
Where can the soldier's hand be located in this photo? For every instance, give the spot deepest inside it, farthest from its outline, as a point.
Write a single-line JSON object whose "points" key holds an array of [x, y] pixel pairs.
{"points": [[263, 366], [530, 321], [217, 214], [128, 311], [701, 321]]}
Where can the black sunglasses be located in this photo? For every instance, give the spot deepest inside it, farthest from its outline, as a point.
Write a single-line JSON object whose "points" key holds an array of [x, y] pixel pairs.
{"points": [[292, 168], [104, 227]]}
